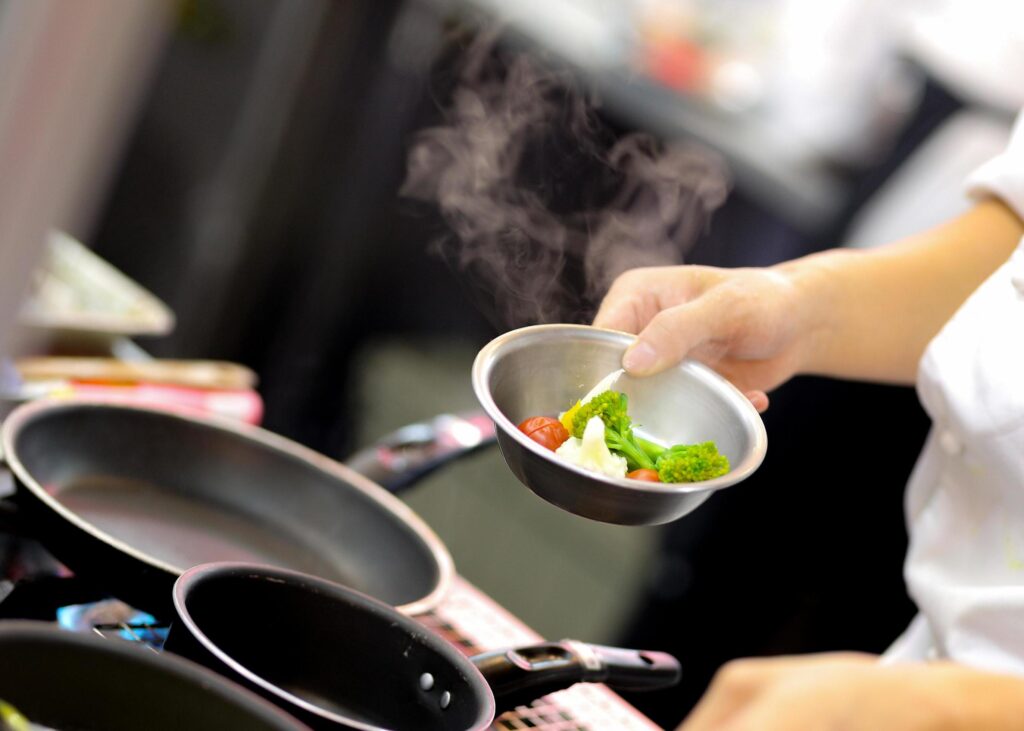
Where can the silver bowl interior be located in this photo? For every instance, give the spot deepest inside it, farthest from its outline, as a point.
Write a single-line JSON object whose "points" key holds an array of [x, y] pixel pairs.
{"points": [[545, 369]]}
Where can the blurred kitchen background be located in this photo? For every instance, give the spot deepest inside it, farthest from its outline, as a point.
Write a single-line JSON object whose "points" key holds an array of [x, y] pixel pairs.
{"points": [[253, 188]]}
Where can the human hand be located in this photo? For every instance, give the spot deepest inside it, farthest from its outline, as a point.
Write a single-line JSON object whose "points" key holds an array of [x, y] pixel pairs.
{"points": [[750, 325], [853, 692]]}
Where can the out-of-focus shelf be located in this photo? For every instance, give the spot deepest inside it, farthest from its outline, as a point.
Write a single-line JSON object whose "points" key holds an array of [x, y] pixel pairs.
{"points": [[774, 168]]}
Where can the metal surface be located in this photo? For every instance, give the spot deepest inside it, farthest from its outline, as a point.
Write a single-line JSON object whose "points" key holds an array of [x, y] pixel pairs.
{"points": [[414, 451], [466, 618], [473, 622], [346, 661], [544, 369], [129, 498], [65, 680], [352, 662]]}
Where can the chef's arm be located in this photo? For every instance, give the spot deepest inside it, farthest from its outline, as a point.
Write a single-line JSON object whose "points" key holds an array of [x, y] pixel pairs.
{"points": [[863, 314], [875, 310]]}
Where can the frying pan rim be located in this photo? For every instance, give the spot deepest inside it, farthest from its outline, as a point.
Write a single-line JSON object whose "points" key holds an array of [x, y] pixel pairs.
{"points": [[26, 413], [195, 575], [166, 663]]}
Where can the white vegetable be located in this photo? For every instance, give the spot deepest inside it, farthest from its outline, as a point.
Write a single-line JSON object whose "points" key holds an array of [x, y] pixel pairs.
{"points": [[591, 452]]}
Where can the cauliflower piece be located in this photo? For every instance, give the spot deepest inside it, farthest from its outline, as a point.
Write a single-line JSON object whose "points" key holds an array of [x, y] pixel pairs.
{"points": [[592, 453]]}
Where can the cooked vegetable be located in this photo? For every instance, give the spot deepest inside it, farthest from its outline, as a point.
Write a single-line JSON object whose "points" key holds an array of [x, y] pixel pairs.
{"points": [[567, 417], [611, 407], [692, 463], [651, 449], [644, 475], [546, 431], [597, 433], [591, 451], [679, 463]]}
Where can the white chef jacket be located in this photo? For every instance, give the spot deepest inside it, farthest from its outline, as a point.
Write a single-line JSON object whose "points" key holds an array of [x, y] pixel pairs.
{"points": [[965, 499]]}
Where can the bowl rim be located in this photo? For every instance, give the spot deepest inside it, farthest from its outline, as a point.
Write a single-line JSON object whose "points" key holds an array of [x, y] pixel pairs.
{"points": [[486, 359]]}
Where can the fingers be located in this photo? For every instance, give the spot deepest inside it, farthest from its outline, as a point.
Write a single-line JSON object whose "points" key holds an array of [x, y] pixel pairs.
{"points": [[673, 333], [732, 689], [759, 400], [637, 295], [624, 307], [715, 316], [620, 314], [739, 695]]}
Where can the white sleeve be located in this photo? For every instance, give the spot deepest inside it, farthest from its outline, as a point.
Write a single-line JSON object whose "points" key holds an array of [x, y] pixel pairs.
{"points": [[1003, 175]]}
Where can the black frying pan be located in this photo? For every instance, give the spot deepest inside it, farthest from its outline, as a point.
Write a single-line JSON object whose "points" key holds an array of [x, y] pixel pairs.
{"points": [[129, 497], [63, 680], [336, 658]]}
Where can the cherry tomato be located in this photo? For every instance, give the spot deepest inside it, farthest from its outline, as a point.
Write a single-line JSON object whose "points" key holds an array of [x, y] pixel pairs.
{"points": [[644, 475], [544, 430]]}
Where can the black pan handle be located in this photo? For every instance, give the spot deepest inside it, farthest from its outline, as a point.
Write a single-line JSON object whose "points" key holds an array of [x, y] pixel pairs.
{"points": [[521, 675], [412, 452]]}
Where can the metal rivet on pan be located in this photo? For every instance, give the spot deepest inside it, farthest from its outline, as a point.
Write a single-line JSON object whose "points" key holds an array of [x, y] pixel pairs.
{"points": [[426, 681], [446, 699]]}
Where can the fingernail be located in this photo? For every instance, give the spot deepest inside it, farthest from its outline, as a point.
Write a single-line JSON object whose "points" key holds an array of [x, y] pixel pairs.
{"points": [[640, 358]]}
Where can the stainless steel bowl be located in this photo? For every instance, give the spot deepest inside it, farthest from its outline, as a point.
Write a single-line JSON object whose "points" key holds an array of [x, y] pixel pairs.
{"points": [[544, 369]]}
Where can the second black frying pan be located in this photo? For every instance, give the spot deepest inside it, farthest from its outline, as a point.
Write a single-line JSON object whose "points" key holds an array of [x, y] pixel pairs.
{"points": [[340, 660], [129, 497]]}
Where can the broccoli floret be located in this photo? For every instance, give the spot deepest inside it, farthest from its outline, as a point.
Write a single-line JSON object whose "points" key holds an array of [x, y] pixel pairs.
{"points": [[610, 406], [618, 430], [691, 463]]}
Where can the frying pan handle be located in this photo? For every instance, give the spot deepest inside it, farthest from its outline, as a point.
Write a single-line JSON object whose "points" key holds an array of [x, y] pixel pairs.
{"points": [[412, 452], [519, 676]]}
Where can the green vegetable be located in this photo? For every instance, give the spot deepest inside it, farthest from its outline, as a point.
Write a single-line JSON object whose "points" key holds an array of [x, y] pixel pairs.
{"points": [[679, 463], [691, 463], [651, 449], [618, 427]]}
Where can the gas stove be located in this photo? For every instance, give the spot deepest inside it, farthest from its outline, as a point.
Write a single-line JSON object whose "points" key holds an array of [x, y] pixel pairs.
{"points": [[34, 586]]}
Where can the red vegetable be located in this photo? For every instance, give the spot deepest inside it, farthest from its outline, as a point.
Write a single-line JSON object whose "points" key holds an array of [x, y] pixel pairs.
{"points": [[544, 430], [644, 475]]}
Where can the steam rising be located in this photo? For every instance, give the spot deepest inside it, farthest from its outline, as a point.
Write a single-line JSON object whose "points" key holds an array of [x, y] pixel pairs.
{"points": [[544, 206]]}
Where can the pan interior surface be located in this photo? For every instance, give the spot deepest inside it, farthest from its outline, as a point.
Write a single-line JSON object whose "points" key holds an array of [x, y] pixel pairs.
{"points": [[176, 492], [184, 531], [340, 654]]}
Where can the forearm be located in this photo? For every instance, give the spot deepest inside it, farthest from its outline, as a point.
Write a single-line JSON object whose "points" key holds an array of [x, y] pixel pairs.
{"points": [[871, 313], [975, 699]]}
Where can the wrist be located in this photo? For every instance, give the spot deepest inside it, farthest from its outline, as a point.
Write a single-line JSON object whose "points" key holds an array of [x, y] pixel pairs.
{"points": [[816, 287]]}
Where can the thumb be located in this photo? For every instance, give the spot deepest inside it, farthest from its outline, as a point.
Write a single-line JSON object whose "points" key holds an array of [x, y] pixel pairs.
{"points": [[671, 335]]}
